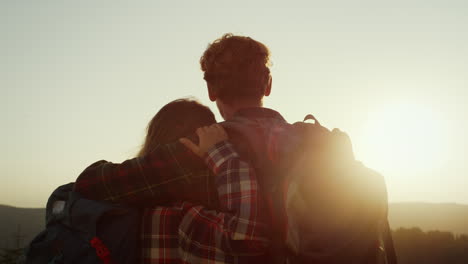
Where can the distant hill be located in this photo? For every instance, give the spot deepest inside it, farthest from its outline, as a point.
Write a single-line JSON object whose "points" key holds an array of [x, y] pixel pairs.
{"points": [[24, 221], [430, 216], [427, 216]]}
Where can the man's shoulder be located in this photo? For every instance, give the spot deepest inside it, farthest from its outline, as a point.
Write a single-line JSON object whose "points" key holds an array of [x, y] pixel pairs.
{"points": [[257, 131], [257, 113], [255, 118]]}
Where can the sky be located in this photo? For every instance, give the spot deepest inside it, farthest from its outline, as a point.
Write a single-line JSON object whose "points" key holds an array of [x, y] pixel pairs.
{"points": [[80, 80]]}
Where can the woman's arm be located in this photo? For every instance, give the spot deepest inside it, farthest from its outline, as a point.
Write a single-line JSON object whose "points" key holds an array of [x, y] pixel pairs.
{"points": [[236, 230], [155, 179]]}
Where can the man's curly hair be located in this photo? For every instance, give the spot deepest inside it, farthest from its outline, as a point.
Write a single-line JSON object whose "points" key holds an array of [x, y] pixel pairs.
{"points": [[236, 68]]}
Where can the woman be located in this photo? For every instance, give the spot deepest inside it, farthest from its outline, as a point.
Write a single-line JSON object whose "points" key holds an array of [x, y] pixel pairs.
{"points": [[175, 120], [221, 225]]}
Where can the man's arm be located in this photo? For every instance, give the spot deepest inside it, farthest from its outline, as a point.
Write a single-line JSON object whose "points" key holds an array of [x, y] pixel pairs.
{"points": [[238, 230], [149, 180]]}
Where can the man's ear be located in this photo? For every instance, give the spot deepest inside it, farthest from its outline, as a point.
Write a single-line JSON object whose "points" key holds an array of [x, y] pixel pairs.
{"points": [[211, 93], [268, 88]]}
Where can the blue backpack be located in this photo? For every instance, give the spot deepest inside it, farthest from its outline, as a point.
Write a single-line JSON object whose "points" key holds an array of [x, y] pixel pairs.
{"points": [[79, 230]]}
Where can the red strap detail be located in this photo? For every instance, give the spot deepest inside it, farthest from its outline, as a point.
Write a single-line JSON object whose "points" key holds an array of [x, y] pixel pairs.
{"points": [[102, 251]]}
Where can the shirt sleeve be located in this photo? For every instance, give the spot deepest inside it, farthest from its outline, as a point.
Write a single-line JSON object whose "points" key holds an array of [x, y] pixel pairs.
{"points": [[155, 179], [237, 229]]}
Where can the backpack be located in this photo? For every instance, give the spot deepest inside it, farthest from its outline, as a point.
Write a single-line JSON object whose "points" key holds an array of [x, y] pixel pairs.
{"points": [[79, 230], [332, 208]]}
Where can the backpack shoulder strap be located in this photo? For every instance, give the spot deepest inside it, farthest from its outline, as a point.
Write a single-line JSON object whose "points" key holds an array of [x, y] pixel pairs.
{"points": [[56, 203]]}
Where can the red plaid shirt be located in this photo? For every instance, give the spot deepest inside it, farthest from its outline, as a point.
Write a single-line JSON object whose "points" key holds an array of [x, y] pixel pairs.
{"points": [[174, 173], [170, 173], [189, 233]]}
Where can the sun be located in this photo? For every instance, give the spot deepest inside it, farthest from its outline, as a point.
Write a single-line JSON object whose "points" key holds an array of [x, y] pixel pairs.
{"points": [[405, 136]]}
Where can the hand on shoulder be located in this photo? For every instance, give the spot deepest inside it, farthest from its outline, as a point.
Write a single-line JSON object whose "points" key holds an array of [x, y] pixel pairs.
{"points": [[208, 137]]}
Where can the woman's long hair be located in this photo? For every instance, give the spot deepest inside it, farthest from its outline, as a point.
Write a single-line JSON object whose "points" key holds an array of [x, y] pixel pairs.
{"points": [[176, 119]]}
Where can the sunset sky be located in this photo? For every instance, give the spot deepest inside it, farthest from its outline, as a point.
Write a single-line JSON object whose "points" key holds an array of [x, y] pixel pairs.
{"points": [[80, 80]]}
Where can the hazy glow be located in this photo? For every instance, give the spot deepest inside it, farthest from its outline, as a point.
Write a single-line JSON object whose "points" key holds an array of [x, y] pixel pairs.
{"points": [[80, 80], [407, 137]]}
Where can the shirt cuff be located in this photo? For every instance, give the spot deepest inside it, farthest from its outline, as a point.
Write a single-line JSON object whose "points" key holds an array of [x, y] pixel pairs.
{"points": [[219, 154]]}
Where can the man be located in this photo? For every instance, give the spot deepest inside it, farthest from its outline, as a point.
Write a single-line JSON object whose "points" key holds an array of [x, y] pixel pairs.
{"points": [[237, 75]]}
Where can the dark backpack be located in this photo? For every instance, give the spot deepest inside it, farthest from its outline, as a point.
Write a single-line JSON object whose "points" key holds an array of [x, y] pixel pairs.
{"points": [[336, 207], [79, 230]]}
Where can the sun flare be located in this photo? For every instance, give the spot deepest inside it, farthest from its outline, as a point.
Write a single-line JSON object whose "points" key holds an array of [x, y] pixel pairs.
{"points": [[407, 137]]}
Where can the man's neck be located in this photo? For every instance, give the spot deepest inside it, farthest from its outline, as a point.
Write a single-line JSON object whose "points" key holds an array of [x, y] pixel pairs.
{"points": [[228, 110]]}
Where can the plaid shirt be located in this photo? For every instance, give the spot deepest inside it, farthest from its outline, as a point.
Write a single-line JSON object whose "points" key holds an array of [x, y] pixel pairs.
{"points": [[189, 233], [170, 173], [174, 173]]}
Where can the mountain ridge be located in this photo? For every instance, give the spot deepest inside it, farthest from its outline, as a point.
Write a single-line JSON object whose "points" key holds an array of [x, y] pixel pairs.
{"points": [[19, 225]]}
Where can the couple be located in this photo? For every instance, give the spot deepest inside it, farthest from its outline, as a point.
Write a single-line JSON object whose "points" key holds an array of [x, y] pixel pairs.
{"points": [[198, 186], [213, 193]]}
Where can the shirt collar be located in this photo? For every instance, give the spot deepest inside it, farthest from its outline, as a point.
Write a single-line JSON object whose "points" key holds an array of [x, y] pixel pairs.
{"points": [[258, 112]]}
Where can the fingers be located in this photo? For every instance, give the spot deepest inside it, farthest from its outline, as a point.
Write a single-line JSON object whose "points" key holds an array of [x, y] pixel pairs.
{"points": [[190, 145], [221, 130], [208, 137], [215, 130], [218, 131]]}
